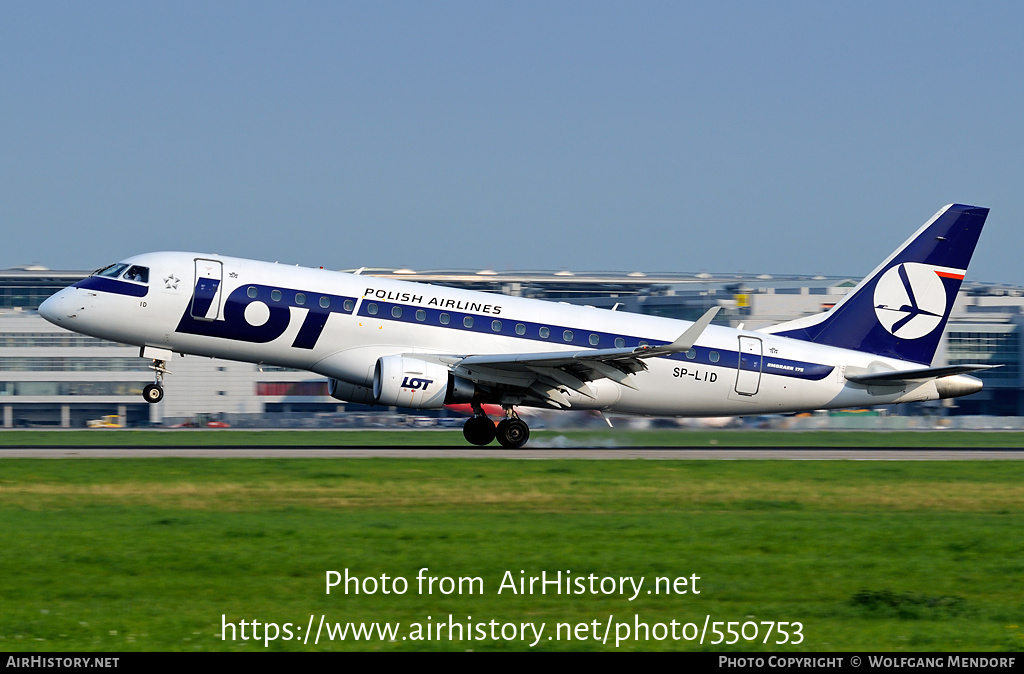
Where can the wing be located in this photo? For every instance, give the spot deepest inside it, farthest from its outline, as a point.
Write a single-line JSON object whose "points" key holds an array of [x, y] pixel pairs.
{"points": [[543, 376]]}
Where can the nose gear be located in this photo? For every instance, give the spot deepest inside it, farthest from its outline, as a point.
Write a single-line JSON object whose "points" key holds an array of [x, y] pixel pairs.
{"points": [[154, 393]]}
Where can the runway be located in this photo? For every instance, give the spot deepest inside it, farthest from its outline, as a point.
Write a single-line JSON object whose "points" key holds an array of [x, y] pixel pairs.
{"points": [[540, 453]]}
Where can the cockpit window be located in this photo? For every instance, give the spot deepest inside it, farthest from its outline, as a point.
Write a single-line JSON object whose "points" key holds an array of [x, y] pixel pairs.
{"points": [[137, 274], [113, 271]]}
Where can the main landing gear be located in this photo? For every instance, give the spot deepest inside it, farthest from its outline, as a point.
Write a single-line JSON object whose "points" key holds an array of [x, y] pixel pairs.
{"points": [[512, 432], [154, 393]]}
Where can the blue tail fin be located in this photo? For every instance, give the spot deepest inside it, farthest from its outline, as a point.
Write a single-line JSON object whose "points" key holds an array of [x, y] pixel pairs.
{"points": [[901, 308]]}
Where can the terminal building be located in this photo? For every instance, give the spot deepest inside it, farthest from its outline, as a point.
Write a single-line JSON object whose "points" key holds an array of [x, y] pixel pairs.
{"points": [[51, 377]]}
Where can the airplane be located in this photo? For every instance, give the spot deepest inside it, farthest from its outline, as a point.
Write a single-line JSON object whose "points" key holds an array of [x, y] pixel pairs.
{"points": [[413, 345]]}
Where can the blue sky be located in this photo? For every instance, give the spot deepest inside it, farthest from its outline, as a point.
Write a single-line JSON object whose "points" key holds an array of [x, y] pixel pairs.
{"points": [[768, 137]]}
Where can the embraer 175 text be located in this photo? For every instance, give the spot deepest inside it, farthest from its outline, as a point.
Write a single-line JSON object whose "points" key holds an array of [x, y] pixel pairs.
{"points": [[411, 345]]}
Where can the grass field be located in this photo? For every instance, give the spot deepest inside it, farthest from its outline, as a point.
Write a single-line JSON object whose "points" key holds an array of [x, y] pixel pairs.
{"points": [[149, 554]]}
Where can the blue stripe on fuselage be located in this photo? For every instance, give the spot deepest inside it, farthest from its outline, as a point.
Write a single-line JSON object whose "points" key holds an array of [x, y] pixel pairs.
{"points": [[484, 324], [113, 286]]}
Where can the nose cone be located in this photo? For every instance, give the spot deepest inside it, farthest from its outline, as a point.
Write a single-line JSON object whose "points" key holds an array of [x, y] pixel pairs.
{"points": [[51, 308]]}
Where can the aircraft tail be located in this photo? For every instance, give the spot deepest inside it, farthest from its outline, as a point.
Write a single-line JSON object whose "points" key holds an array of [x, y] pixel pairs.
{"points": [[901, 308]]}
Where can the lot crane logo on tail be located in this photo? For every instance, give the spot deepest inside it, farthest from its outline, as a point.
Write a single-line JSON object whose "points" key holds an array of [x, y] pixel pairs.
{"points": [[910, 299]]}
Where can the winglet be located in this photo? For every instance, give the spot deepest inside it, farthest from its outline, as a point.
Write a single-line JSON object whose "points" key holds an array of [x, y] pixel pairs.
{"points": [[685, 341]]}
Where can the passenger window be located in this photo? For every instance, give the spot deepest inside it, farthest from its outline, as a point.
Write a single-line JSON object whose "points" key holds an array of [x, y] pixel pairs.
{"points": [[137, 274], [300, 299], [713, 356], [594, 340], [619, 342], [567, 335], [691, 354], [468, 321], [421, 315], [275, 295], [520, 329], [349, 305], [544, 333], [445, 319], [496, 326], [325, 302], [371, 309], [396, 312], [252, 291]]}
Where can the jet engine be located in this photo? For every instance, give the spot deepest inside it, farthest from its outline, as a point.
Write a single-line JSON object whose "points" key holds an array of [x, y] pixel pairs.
{"points": [[410, 382]]}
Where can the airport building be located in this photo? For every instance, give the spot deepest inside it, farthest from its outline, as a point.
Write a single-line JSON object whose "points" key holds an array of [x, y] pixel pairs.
{"points": [[51, 377]]}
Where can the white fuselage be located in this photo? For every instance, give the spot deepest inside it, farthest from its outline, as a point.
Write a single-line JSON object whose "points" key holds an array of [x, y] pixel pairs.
{"points": [[271, 313]]}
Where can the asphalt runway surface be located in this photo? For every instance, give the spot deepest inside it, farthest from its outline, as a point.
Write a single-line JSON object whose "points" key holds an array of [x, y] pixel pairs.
{"points": [[589, 453]]}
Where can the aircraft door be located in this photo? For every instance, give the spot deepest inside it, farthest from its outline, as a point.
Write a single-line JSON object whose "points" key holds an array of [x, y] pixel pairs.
{"points": [[748, 375], [206, 298]]}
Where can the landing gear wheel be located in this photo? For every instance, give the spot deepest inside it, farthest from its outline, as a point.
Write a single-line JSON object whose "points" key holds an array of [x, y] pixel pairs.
{"points": [[512, 433], [153, 393], [479, 431]]}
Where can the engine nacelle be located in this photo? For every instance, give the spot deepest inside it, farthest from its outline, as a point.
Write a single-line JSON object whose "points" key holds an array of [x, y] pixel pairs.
{"points": [[410, 382], [350, 393]]}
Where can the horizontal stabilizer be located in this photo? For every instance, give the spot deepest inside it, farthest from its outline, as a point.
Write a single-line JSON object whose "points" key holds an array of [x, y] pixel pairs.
{"points": [[897, 377]]}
